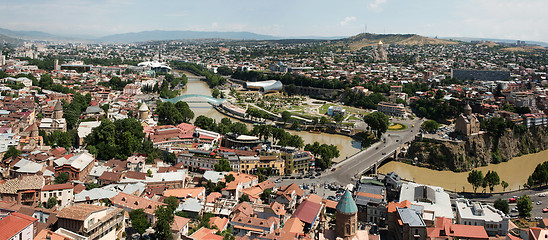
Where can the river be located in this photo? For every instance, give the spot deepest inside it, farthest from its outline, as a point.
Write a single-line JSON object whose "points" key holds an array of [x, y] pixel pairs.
{"points": [[346, 145], [515, 172]]}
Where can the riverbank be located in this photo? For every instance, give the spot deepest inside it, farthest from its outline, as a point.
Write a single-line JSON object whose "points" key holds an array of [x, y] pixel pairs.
{"points": [[515, 172]]}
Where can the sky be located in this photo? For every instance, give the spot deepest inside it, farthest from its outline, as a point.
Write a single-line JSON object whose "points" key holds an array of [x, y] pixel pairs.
{"points": [[508, 19]]}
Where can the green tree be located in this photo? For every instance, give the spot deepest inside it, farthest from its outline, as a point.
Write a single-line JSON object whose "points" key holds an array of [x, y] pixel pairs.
{"points": [[172, 202], [378, 122], [243, 198], [139, 220], [229, 178], [61, 178], [222, 166], [90, 186], [338, 118], [118, 139], [475, 177], [45, 81], [492, 179], [430, 125], [504, 185], [52, 202], [525, 206], [12, 152], [266, 195], [286, 116], [206, 123], [502, 205], [215, 93], [164, 218]]}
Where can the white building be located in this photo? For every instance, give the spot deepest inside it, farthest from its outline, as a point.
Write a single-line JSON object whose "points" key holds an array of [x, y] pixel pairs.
{"points": [[471, 213], [63, 192], [92, 221], [435, 200]]}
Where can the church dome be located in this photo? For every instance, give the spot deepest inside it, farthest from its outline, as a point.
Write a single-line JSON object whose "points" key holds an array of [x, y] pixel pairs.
{"points": [[347, 205]]}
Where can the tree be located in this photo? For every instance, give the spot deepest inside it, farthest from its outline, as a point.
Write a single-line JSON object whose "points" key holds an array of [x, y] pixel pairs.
{"points": [[12, 152], [139, 220], [90, 186], [229, 178], [222, 166], [63, 177], [492, 178], [475, 177], [504, 185], [266, 195], [286, 116], [52, 202], [430, 126], [164, 218], [243, 198], [502, 205], [172, 202], [338, 118], [204, 122], [525, 206], [118, 139], [215, 93], [378, 122]]}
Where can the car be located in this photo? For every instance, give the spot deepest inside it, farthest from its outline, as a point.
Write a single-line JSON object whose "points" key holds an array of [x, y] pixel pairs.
{"points": [[460, 196], [376, 148], [292, 177], [542, 195], [318, 174], [312, 177], [300, 177], [285, 177], [538, 218], [383, 153], [397, 140], [332, 198], [545, 210], [539, 202], [279, 180]]}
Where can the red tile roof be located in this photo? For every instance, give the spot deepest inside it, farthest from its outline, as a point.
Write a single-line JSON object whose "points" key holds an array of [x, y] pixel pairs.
{"points": [[307, 211], [14, 223], [57, 187]]}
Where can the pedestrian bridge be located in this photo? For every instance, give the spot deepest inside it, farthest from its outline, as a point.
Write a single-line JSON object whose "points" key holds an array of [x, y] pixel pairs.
{"points": [[195, 98]]}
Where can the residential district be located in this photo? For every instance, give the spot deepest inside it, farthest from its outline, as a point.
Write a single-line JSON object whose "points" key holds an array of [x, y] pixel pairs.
{"points": [[98, 142]]}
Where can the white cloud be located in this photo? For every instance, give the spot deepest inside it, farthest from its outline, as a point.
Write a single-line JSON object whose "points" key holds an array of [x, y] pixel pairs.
{"points": [[347, 20], [376, 4]]}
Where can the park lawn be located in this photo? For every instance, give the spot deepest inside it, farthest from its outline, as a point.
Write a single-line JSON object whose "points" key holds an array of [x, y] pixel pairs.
{"points": [[323, 108], [397, 127], [354, 118]]}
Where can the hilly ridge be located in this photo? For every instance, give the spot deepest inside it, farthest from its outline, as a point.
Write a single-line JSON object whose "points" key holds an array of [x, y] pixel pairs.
{"points": [[369, 39]]}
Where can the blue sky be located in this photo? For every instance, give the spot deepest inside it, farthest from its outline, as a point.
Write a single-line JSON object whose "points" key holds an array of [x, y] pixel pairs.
{"points": [[514, 19]]}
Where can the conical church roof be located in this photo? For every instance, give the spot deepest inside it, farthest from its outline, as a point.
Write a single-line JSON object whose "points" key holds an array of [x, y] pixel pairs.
{"points": [[143, 107], [346, 204], [58, 106]]}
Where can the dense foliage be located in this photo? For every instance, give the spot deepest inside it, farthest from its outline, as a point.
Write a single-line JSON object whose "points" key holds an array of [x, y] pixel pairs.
{"points": [[212, 79], [164, 218], [74, 109], [12, 152], [139, 221], [362, 101], [323, 153], [437, 109], [524, 206], [118, 139], [378, 122], [173, 114], [502, 205], [224, 127]]}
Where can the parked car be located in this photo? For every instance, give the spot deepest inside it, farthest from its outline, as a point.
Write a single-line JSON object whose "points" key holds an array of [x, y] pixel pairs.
{"points": [[542, 195], [539, 202]]}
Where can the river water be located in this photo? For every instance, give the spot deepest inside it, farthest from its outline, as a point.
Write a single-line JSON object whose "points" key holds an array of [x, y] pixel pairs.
{"points": [[346, 145], [515, 172]]}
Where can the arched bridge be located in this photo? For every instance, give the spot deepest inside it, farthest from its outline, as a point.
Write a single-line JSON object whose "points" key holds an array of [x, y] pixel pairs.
{"points": [[195, 98]]}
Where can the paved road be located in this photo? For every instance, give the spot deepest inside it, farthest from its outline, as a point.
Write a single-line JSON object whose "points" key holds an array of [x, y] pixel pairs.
{"points": [[346, 170]]}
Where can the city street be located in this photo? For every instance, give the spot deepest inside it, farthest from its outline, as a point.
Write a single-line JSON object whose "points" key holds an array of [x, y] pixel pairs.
{"points": [[346, 170]]}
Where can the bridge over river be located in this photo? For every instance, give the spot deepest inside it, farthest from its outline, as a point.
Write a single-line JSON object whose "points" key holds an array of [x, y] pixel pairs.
{"points": [[195, 98]]}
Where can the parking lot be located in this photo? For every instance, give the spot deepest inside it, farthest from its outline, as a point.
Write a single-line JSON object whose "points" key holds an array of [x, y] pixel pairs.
{"points": [[312, 184]]}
